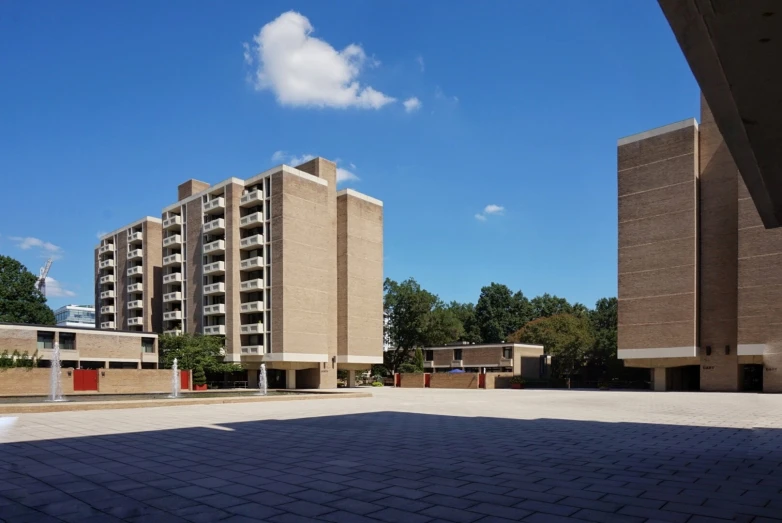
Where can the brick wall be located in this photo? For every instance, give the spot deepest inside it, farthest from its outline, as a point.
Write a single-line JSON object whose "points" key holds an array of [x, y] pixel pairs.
{"points": [[134, 381], [31, 382], [412, 381], [443, 380], [194, 285], [498, 380]]}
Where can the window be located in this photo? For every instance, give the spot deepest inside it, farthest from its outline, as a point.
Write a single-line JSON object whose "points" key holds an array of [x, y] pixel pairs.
{"points": [[148, 345], [429, 355], [507, 352], [67, 341], [457, 354], [45, 340]]}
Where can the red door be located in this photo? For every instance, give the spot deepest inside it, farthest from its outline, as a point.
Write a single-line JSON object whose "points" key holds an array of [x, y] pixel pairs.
{"points": [[85, 380], [184, 380], [482, 381], [427, 379]]}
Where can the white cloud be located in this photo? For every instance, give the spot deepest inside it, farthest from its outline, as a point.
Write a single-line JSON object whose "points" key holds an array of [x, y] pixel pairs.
{"points": [[440, 95], [298, 160], [420, 60], [343, 175], [279, 156], [54, 289], [490, 210], [352, 165], [304, 71], [46, 248], [412, 104], [101, 234]]}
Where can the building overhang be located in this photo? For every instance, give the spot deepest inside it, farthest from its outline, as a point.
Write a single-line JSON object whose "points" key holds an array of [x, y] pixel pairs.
{"points": [[352, 358], [734, 50]]}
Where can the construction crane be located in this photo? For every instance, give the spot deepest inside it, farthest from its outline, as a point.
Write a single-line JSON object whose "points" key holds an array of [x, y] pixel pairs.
{"points": [[42, 274]]}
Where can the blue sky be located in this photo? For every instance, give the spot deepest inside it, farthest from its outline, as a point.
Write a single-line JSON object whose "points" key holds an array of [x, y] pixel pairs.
{"points": [[489, 133]]}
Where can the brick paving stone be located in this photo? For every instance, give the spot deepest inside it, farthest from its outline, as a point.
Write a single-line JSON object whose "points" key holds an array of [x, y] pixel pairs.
{"points": [[548, 508], [598, 516], [305, 508], [661, 515], [254, 510], [392, 515], [355, 506], [451, 514], [346, 517], [491, 509]]}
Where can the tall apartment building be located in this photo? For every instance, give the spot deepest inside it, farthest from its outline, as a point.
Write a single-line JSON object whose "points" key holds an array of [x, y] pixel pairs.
{"points": [[283, 266], [700, 277], [127, 278]]}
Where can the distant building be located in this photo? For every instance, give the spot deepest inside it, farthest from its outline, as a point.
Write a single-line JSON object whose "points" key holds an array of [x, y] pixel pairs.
{"points": [[75, 316]]}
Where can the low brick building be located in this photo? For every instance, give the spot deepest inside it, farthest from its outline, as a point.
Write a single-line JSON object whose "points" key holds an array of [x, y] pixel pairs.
{"points": [[82, 347], [516, 358]]}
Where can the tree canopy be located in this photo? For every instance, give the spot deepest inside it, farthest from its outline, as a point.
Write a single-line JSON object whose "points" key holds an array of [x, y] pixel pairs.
{"points": [[20, 299], [194, 351], [500, 312], [567, 337]]}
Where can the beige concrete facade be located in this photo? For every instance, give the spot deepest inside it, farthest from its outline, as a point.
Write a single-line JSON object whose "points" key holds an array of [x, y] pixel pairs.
{"points": [[513, 358], [256, 261], [127, 278], [700, 278], [82, 347]]}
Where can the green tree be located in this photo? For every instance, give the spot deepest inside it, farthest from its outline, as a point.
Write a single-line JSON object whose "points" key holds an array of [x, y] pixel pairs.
{"points": [[20, 299], [194, 351], [199, 376], [418, 359], [440, 326], [548, 305], [566, 337], [603, 319], [500, 312], [465, 312], [406, 305]]}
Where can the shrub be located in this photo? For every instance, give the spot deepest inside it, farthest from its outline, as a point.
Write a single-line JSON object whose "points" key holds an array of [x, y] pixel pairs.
{"points": [[409, 368], [199, 376], [377, 384], [517, 380]]}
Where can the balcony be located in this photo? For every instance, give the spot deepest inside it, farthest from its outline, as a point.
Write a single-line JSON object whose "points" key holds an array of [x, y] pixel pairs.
{"points": [[214, 247], [252, 349], [136, 321], [215, 225], [428, 364], [173, 240], [506, 362], [107, 325], [136, 304], [134, 271], [172, 259], [109, 278], [172, 315], [215, 288], [251, 264], [106, 263], [253, 328], [106, 294], [251, 219], [173, 277], [109, 247], [136, 287], [136, 253], [217, 267], [251, 198], [252, 285], [214, 329], [457, 363], [173, 221], [216, 205], [173, 332], [172, 296], [107, 309], [251, 242], [252, 306], [135, 237], [217, 308]]}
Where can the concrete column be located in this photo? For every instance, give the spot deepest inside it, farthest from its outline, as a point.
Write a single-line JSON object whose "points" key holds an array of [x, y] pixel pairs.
{"points": [[351, 378], [252, 378], [659, 376], [105, 364], [290, 379]]}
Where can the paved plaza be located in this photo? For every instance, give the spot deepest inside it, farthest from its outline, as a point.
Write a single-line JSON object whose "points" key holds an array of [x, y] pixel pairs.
{"points": [[404, 455]]}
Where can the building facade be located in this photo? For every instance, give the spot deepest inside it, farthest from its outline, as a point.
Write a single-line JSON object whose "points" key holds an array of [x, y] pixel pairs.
{"points": [[75, 316], [700, 277], [516, 358], [82, 347], [285, 268]]}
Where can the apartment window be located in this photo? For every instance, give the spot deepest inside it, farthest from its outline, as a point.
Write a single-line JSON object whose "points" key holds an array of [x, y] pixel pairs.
{"points": [[457, 354], [45, 340], [148, 345], [507, 352], [67, 341], [429, 355]]}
